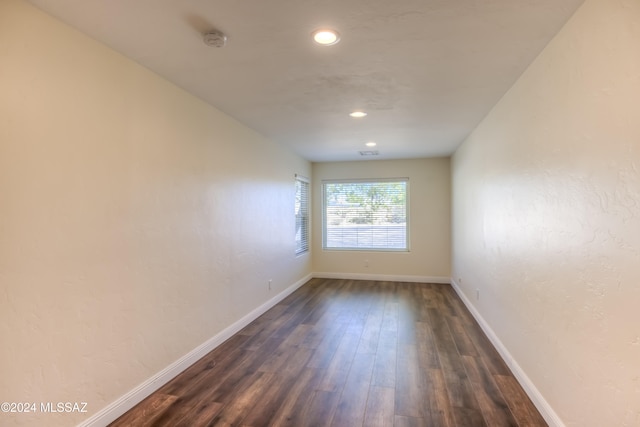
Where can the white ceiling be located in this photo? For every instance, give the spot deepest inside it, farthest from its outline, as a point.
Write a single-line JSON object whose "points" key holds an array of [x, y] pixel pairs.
{"points": [[426, 71]]}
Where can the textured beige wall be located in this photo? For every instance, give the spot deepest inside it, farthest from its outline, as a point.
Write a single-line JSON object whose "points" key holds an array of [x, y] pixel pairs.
{"points": [[430, 218], [136, 222], [546, 218]]}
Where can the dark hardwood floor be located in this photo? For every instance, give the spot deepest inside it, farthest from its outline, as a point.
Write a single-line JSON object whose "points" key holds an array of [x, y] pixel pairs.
{"points": [[348, 353]]}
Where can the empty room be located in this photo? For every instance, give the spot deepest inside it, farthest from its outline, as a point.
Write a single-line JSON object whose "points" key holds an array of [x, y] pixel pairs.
{"points": [[303, 213]]}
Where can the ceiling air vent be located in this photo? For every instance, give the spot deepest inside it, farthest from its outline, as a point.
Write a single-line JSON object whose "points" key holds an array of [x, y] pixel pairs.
{"points": [[369, 153]]}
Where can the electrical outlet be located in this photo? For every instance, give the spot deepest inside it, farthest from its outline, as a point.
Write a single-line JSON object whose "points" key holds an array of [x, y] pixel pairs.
{"points": [[270, 280], [366, 263], [477, 294]]}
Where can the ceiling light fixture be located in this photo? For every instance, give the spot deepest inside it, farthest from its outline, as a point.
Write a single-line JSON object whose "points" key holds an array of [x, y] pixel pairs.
{"points": [[358, 114], [370, 144], [326, 37]]}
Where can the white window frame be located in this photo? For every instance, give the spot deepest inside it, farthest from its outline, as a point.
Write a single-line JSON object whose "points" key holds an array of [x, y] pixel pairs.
{"points": [[325, 244]]}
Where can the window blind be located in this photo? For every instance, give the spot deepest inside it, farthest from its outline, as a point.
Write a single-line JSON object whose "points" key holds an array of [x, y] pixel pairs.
{"points": [[302, 215], [365, 214]]}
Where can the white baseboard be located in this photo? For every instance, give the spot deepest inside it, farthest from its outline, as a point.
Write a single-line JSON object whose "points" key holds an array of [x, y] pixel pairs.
{"points": [[550, 416], [383, 277], [114, 410]]}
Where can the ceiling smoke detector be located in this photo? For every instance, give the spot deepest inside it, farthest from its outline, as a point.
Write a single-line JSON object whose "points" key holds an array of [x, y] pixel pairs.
{"points": [[215, 39]]}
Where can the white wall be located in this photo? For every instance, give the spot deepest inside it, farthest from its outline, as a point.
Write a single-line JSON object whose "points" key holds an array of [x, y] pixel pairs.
{"points": [[136, 222], [546, 218], [430, 222]]}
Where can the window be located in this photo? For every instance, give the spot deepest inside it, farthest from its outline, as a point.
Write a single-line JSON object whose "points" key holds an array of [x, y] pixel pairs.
{"points": [[365, 214], [302, 215]]}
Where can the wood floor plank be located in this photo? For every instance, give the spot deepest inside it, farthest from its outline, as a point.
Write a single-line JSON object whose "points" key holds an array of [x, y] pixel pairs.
{"points": [[380, 410], [325, 351], [485, 350], [353, 400], [298, 335], [518, 402], [460, 337], [321, 409], [441, 409], [390, 316], [148, 411], [321, 305], [350, 353], [427, 347], [384, 367], [445, 304], [459, 389], [404, 421], [268, 404], [332, 322], [492, 404], [236, 410], [198, 416], [195, 384], [338, 369], [371, 332], [211, 365], [410, 397], [406, 333], [263, 321], [291, 411], [468, 417], [441, 332], [225, 387]]}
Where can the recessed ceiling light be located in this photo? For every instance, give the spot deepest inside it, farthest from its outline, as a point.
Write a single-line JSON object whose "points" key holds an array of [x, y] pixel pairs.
{"points": [[326, 37], [358, 114], [371, 144]]}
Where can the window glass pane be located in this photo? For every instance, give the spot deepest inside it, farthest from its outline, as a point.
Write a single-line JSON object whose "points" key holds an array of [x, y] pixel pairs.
{"points": [[302, 216], [365, 214]]}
